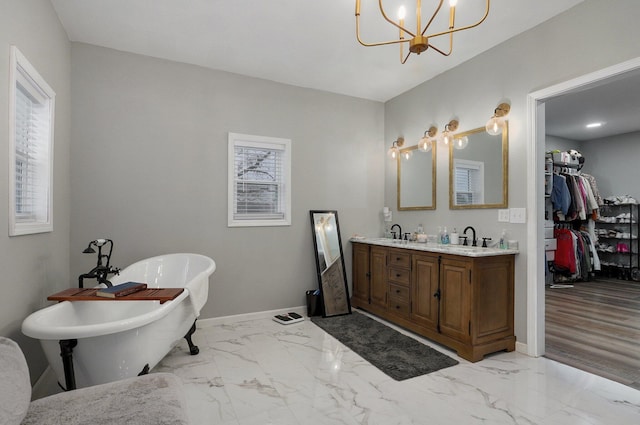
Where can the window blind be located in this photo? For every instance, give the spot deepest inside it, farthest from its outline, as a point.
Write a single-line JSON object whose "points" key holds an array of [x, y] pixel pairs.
{"points": [[32, 144], [467, 184], [259, 183]]}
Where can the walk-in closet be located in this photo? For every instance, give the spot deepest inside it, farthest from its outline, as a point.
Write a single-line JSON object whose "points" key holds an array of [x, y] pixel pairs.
{"points": [[592, 225]]}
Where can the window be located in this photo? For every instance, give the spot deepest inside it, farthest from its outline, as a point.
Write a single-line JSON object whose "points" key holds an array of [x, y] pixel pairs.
{"points": [[469, 182], [259, 181], [31, 117]]}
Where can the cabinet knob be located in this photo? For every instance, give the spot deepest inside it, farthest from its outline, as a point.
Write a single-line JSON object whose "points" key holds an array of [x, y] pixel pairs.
{"points": [[397, 291], [398, 275]]}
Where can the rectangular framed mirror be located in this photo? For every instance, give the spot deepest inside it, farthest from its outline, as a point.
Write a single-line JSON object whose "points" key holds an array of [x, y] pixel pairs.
{"points": [[417, 179], [479, 170], [332, 276]]}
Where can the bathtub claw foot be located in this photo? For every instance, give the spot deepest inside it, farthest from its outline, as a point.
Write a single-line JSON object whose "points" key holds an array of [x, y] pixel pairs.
{"points": [[193, 349]]}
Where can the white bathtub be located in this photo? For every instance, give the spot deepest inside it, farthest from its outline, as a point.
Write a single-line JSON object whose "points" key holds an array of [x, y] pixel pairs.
{"points": [[117, 339]]}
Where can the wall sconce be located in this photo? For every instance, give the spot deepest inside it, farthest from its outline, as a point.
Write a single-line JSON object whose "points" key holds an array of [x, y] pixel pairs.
{"points": [[424, 145], [496, 122], [394, 150], [447, 134]]}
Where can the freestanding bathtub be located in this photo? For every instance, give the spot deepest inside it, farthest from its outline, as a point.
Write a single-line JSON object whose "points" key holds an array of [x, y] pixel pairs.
{"points": [[120, 339]]}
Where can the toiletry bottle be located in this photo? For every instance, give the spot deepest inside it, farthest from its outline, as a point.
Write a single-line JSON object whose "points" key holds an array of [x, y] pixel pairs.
{"points": [[445, 236], [503, 239], [419, 230], [439, 234], [455, 237]]}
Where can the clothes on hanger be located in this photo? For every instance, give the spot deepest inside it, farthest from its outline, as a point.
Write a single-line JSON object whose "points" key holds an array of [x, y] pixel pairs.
{"points": [[576, 257]]}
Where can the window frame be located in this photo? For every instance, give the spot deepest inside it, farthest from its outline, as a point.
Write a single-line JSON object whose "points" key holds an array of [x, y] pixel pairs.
{"points": [[469, 165], [284, 145], [23, 72]]}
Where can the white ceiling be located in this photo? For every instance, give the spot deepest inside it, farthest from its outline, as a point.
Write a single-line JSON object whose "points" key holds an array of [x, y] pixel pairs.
{"points": [[614, 102], [306, 43]]}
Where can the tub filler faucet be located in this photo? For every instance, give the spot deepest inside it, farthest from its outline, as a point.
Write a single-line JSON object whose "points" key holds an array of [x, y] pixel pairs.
{"points": [[101, 271]]}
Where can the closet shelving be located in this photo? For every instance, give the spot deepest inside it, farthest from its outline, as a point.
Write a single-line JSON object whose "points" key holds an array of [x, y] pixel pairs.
{"points": [[617, 229]]}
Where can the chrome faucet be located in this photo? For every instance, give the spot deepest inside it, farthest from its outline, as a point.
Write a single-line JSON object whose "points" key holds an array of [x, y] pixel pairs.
{"points": [[474, 241], [101, 271], [399, 231]]}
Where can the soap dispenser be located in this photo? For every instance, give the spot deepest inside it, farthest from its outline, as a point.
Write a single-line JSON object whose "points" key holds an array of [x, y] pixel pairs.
{"points": [[503, 239], [445, 237]]}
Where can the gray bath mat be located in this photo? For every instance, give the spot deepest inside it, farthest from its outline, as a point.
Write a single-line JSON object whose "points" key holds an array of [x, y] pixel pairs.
{"points": [[395, 354]]}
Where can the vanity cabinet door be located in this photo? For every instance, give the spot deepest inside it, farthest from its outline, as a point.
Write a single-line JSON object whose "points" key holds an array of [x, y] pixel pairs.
{"points": [[378, 265], [492, 300], [455, 305], [361, 275], [424, 303]]}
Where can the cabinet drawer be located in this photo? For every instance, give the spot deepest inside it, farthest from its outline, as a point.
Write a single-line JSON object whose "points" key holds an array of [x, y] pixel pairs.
{"points": [[399, 259], [398, 292], [399, 307], [402, 276]]}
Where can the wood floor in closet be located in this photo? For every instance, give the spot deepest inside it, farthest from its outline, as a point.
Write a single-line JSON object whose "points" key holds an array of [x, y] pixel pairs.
{"points": [[595, 326]]}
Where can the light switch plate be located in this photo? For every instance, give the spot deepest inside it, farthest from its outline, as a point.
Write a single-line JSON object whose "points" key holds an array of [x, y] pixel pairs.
{"points": [[518, 215], [503, 216]]}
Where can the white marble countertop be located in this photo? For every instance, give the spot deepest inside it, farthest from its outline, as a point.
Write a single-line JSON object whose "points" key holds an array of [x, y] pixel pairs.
{"points": [[465, 251]]}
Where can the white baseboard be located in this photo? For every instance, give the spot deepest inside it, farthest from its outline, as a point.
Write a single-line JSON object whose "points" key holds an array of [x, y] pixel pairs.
{"points": [[224, 320], [522, 348]]}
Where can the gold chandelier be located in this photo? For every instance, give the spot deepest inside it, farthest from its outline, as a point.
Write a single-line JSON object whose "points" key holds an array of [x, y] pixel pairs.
{"points": [[419, 42]]}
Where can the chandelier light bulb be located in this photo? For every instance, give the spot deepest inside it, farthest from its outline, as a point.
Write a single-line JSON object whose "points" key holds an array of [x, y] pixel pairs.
{"points": [[402, 12]]}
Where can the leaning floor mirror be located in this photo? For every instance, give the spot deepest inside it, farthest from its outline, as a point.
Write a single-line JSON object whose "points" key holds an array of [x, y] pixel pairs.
{"points": [[332, 276]]}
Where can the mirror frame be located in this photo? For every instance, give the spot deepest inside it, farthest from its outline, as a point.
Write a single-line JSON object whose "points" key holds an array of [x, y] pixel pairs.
{"points": [[505, 170], [334, 288], [433, 178]]}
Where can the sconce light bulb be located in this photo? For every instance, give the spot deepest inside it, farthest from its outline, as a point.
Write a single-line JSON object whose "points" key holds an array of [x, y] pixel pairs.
{"points": [[453, 3], [406, 155], [494, 126], [446, 137], [402, 12], [425, 144], [392, 152]]}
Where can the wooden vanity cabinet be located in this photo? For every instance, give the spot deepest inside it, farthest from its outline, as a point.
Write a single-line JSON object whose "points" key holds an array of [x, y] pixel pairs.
{"points": [[369, 271], [464, 303]]}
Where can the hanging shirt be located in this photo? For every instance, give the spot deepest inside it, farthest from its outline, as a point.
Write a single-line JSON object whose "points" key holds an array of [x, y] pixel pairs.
{"points": [[565, 259], [560, 196]]}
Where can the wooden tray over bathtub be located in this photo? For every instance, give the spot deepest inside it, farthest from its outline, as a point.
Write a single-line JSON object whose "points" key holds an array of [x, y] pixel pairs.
{"points": [[89, 294]]}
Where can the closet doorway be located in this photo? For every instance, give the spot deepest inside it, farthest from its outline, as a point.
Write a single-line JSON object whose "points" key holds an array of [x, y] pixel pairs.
{"points": [[592, 321]]}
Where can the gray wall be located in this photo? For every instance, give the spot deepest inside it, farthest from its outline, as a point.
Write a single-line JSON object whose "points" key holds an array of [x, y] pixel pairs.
{"points": [[149, 171], [561, 144], [34, 266], [557, 50], [615, 162]]}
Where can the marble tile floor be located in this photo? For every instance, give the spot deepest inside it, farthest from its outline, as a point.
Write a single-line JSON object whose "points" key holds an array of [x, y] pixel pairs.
{"points": [[260, 372]]}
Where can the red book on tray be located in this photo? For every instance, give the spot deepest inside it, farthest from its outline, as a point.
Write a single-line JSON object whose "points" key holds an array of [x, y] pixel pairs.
{"points": [[121, 290]]}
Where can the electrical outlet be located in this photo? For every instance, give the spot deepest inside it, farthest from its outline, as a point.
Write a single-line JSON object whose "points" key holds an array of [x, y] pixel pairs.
{"points": [[518, 215], [503, 216]]}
